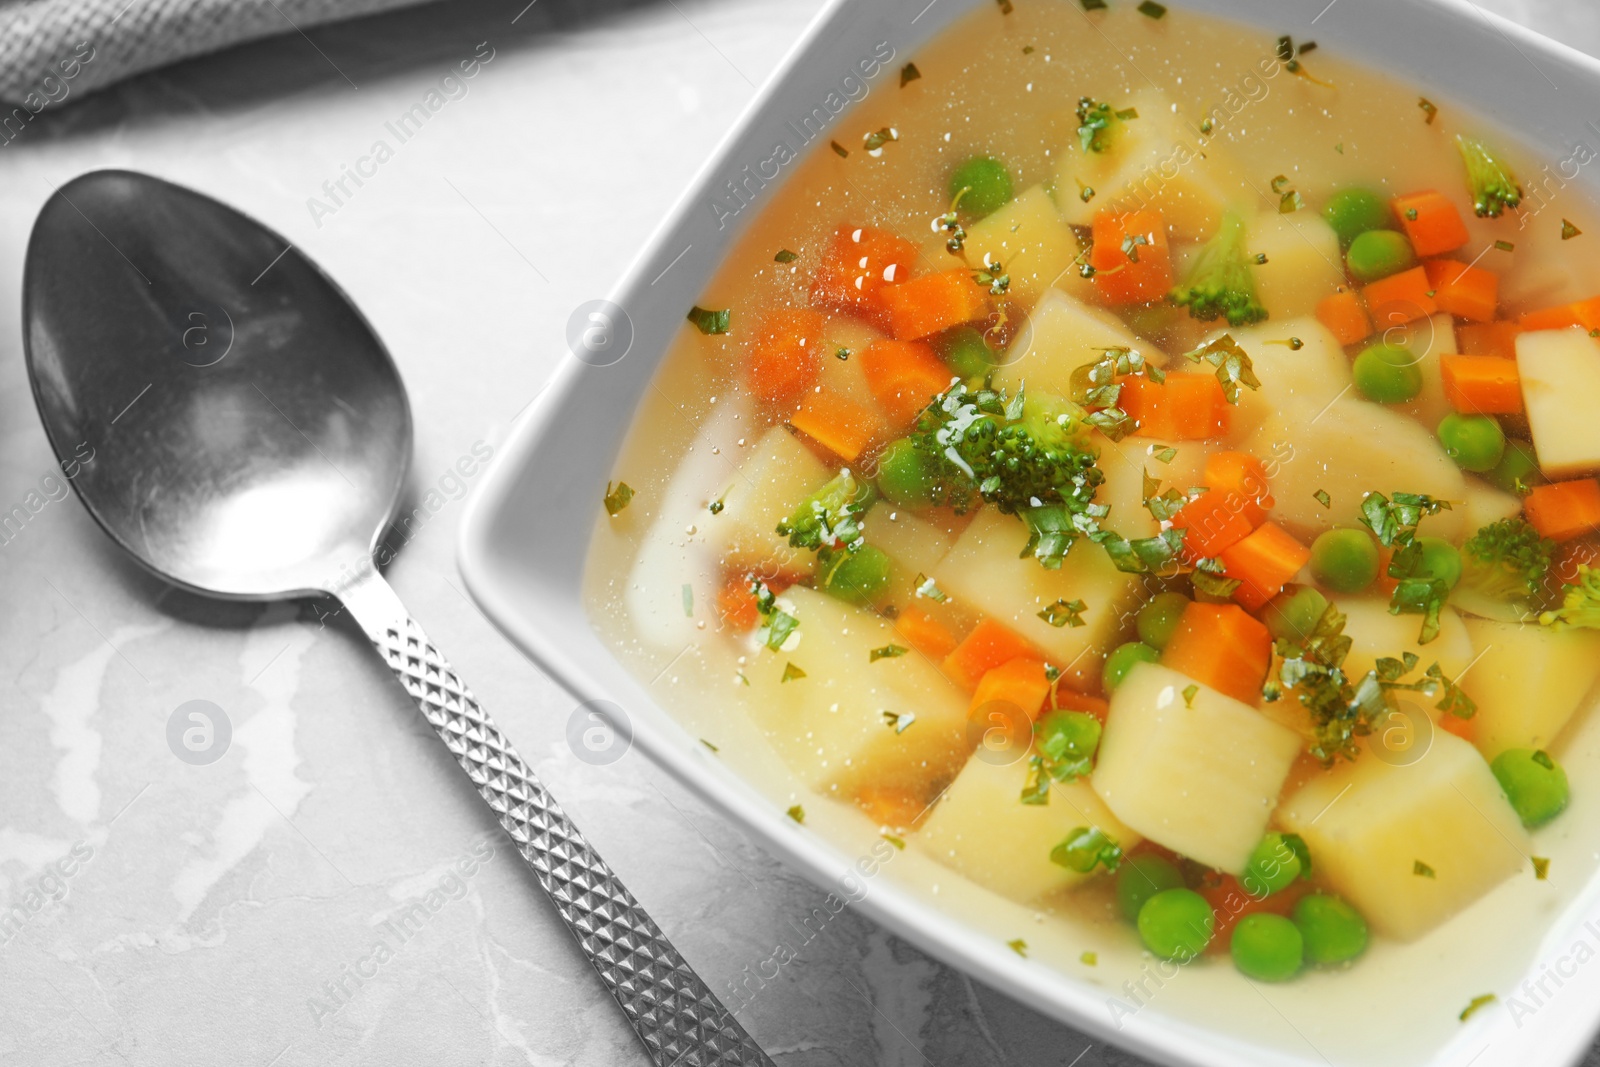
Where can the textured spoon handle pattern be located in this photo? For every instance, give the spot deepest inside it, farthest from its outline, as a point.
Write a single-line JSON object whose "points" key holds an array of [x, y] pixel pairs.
{"points": [[679, 1019]]}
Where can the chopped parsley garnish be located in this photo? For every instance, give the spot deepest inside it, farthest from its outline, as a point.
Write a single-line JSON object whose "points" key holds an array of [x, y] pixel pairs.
{"points": [[1085, 192], [1130, 245], [1542, 758], [1163, 506], [1086, 848], [886, 652], [897, 842], [785, 256], [1088, 959], [1422, 870], [1151, 9], [1167, 455], [1541, 867], [709, 745], [710, 322], [797, 813], [1394, 522], [842, 354], [993, 275], [1494, 188], [1568, 230], [1233, 364], [899, 720], [1189, 693], [1505, 246], [1093, 5], [618, 498], [908, 74], [1016, 944], [716, 506], [1477, 1002], [839, 150], [1429, 109], [777, 623], [926, 587], [1289, 201], [1097, 122], [1095, 386], [1290, 54], [875, 141], [1322, 497], [791, 673], [1064, 613], [1209, 580]]}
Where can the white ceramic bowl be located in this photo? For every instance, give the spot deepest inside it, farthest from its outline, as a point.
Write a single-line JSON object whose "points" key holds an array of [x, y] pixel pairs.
{"points": [[522, 554]]}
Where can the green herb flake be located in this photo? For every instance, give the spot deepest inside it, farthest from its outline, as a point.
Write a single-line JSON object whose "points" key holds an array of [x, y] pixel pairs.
{"points": [[897, 842], [1005, 6], [1505, 246], [886, 652], [688, 600], [1151, 9], [1422, 870], [1568, 230], [875, 141], [1322, 497], [715, 507], [1027, 49], [1339, 148], [1088, 959], [1085, 192], [1093, 5], [618, 498], [742, 679], [1167, 455], [1542, 758], [709, 745], [842, 354], [797, 813], [898, 721], [1233, 364], [926, 587], [1064, 613], [1541, 867], [1428, 108], [1016, 944], [791, 673], [1477, 1002], [710, 322], [908, 74], [1206, 126], [1189, 693], [785, 256], [1086, 848], [839, 150]]}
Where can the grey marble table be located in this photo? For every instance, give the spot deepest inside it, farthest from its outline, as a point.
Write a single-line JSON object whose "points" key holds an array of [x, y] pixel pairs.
{"points": [[168, 913]]}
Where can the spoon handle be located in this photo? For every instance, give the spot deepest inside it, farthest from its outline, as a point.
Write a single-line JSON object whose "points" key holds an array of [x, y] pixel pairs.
{"points": [[679, 1019]]}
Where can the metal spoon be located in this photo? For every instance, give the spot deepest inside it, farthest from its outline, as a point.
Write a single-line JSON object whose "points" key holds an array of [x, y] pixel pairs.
{"points": [[251, 436]]}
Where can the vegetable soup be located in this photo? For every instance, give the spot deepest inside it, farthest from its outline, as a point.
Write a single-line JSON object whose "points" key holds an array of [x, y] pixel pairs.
{"points": [[1142, 470]]}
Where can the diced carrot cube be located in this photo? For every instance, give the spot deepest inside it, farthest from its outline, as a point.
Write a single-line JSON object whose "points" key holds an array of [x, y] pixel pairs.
{"points": [[988, 645], [1345, 316], [1130, 257], [1585, 313], [1564, 510], [1400, 298], [931, 303], [1489, 339], [838, 424], [1019, 683], [1263, 563], [896, 807], [1431, 221], [924, 633], [783, 355], [903, 376], [1223, 646], [1484, 385], [1211, 522], [858, 264], [1244, 476], [1463, 290], [1186, 407]]}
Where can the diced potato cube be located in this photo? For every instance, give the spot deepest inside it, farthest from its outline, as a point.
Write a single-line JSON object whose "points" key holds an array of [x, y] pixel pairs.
{"points": [[1124, 464], [983, 571], [1348, 449], [1200, 777], [914, 546], [1560, 372], [1375, 633], [1062, 335], [1312, 375], [830, 726], [1528, 682], [1031, 241], [982, 830], [1303, 262], [1157, 160], [1368, 824], [780, 473], [1427, 339]]}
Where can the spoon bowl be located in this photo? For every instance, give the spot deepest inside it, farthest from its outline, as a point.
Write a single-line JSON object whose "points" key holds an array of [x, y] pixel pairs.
{"points": [[248, 425], [249, 436]]}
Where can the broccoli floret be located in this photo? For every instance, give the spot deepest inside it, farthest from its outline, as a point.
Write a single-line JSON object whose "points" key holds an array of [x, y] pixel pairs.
{"points": [[830, 518], [1494, 187], [1506, 560], [1220, 283], [1580, 603]]}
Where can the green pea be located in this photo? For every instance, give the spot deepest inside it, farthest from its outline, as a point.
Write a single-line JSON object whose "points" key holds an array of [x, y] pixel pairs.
{"points": [[905, 476], [1142, 877], [1518, 469], [1333, 930], [1067, 735], [1123, 658], [983, 185], [966, 352], [1294, 616], [1534, 783], [1441, 560], [1387, 374], [856, 577], [1353, 211], [1158, 619], [1378, 254], [1268, 948], [1475, 442], [1273, 866], [1176, 924], [1345, 561]]}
